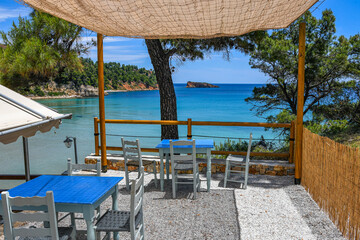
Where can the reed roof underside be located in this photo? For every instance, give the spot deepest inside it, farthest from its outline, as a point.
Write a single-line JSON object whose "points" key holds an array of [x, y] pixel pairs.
{"points": [[167, 19]]}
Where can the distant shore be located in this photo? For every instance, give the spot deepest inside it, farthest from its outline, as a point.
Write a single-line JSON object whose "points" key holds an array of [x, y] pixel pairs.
{"points": [[80, 96], [132, 90]]}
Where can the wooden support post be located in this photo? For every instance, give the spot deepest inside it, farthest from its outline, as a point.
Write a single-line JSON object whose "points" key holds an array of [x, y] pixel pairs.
{"points": [[189, 130], [292, 139], [300, 105], [96, 136], [100, 52]]}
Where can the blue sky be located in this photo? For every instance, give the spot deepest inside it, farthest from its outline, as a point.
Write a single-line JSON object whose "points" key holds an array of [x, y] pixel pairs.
{"points": [[213, 69]]}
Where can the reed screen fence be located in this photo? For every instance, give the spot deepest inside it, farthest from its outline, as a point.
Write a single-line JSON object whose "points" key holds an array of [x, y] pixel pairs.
{"points": [[331, 174]]}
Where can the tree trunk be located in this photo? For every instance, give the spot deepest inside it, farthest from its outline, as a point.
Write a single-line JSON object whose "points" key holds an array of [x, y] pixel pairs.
{"points": [[168, 108]]}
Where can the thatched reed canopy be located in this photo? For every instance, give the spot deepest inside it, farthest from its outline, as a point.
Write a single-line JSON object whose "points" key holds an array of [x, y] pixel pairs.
{"points": [[175, 18]]}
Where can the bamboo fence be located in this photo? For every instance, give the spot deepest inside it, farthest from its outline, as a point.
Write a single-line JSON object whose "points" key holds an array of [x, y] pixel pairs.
{"points": [[331, 174]]}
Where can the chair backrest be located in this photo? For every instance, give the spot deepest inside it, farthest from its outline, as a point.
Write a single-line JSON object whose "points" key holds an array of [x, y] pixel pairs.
{"points": [[29, 203], [136, 203], [72, 166], [183, 158], [249, 149], [131, 151]]}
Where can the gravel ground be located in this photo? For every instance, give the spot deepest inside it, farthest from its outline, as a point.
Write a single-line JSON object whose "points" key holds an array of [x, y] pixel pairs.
{"points": [[270, 208]]}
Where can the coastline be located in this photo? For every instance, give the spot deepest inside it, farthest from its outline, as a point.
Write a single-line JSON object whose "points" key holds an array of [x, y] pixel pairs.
{"points": [[80, 96], [131, 90]]}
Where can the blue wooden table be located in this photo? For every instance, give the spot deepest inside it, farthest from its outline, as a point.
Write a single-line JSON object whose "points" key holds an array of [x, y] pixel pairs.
{"points": [[203, 146], [77, 194]]}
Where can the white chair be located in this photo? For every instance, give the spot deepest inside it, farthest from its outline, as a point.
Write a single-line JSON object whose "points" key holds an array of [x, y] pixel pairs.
{"points": [[86, 169], [129, 221], [11, 207], [133, 158], [240, 162], [184, 162]]}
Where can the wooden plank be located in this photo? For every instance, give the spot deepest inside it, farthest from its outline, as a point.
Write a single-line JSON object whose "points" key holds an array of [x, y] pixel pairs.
{"points": [[200, 123], [16, 177], [189, 130], [292, 139], [101, 100], [158, 122], [300, 105], [96, 136], [242, 124]]}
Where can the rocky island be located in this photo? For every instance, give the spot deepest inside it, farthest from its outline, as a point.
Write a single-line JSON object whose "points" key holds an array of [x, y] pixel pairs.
{"points": [[200, 85]]}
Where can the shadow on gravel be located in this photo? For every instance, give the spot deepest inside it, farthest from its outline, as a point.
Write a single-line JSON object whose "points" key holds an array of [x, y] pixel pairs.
{"points": [[261, 181], [266, 181], [183, 192], [212, 215], [320, 225]]}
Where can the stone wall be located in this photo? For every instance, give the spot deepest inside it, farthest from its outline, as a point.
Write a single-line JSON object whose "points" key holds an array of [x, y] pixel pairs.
{"points": [[264, 167]]}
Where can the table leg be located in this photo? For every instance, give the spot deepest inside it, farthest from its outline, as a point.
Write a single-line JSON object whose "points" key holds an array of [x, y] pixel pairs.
{"points": [[167, 167], [115, 198], [161, 154], [208, 168], [89, 218], [115, 206]]}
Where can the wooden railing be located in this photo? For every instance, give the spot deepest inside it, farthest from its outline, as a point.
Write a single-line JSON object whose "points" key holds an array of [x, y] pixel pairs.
{"points": [[189, 123], [16, 177]]}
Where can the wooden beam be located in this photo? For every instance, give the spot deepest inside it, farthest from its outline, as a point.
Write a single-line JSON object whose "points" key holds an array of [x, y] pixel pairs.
{"points": [[100, 51], [16, 177], [96, 136], [200, 123], [292, 139], [189, 130], [300, 105]]}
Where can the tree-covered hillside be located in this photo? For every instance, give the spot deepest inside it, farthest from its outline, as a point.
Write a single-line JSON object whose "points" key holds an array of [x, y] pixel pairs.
{"points": [[115, 75], [41, 56]]}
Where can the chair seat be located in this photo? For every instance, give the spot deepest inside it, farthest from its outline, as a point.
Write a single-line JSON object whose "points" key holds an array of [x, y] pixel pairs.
{"points": [[64, 234], [116, 221], [236, 158], [136, 163], [183, 166]]}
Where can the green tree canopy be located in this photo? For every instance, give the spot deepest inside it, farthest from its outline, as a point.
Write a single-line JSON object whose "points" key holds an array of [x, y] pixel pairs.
{"points": [[115, 75], [162, 52], [329, 61], [39, 48]]}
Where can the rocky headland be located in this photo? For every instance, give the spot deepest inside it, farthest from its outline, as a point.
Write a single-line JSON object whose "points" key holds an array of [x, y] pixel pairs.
{"points": [[200, 85]]}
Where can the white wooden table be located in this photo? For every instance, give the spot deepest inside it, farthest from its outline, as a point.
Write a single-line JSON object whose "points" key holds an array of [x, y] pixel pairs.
{"points": [[203, 146]]}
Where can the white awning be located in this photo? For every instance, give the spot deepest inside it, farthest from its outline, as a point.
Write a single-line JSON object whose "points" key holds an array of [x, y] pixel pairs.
{"points": [[175, 18], [21, 116]]}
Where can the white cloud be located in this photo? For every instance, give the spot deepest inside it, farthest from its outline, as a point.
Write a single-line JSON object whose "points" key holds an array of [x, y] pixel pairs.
{"points": [[122, 48], [118, 50], [106, 39], [120, 57], [14, 13]]}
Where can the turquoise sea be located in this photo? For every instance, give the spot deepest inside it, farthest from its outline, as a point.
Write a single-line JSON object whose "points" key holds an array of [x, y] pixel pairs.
{"points": [[48, 153]]}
